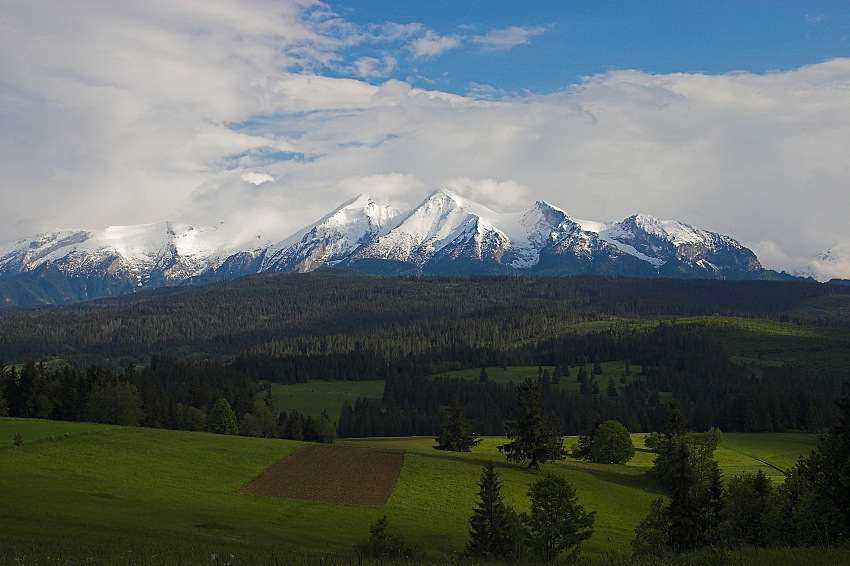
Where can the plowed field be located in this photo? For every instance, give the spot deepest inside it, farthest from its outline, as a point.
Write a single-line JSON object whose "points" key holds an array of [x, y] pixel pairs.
{"points": [[334, 474]]}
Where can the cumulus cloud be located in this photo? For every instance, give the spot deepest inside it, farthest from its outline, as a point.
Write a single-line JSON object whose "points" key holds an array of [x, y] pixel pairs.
{"points": [[123, 113], [502, 39], [834, 263], [433, 44], [501, 196]]}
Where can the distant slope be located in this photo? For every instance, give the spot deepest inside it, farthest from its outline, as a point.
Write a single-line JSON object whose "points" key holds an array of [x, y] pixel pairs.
{"points": [[230, 317]]}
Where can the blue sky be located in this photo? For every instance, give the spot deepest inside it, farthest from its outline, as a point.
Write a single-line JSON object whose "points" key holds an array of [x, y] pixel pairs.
{"points": [[572, 39], [266, 114]]}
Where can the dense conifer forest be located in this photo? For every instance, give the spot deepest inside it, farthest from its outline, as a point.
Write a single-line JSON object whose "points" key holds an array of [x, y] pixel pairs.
{"points": [[738, 355]]}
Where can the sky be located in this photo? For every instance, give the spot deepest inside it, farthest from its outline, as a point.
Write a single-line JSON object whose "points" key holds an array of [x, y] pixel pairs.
{"points": [[730, 116]]}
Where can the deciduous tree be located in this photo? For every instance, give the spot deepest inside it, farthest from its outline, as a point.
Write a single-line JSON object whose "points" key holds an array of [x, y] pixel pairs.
{"points": [[221, 418], [556, 522]]}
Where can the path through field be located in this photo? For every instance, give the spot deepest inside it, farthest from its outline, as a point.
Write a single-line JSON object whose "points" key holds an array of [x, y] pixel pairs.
{"points": [[334, 474]]}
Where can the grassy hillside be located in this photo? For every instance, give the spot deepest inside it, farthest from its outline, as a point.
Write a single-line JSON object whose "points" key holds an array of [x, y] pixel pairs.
{"points": [[123, 489], [316, 396]]}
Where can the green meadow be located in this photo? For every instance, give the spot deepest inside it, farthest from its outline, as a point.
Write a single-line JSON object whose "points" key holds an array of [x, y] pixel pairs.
{"points": [[315, 396], [72, 487], [517, 374]]}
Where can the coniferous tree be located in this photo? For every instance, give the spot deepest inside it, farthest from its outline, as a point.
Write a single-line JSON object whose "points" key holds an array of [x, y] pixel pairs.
{"points": [[556, 522], [456, 433], [270, 402], [534, 438], [493, 525], [483, 377], [585, 440], [583, 381]]}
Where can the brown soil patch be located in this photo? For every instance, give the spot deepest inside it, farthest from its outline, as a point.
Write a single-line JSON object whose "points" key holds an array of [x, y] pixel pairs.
{"points": [[334, 474]]}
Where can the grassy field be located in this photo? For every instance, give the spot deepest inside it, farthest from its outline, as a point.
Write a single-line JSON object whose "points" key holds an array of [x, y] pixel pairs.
{"points": [[155, 489], [313, 397], [517, 374]]}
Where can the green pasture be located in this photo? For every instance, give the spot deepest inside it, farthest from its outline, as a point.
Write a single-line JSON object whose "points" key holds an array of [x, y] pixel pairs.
{"points": [[313, 397], [37, 430], [517, 374], [146, 488]]}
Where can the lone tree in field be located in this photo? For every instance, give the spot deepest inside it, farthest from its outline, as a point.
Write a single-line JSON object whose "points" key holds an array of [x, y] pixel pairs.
{"points": [[222, 419], [535, 438], [456, 433], [611, 444], [493, 525], [556, 522]]}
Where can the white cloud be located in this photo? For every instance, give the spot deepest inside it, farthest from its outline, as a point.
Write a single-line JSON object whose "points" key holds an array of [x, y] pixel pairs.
{"points": [[504, 196], [503, 39], [831, 264], [433, 44], [257, 178], [371, 67], [122, 113]]}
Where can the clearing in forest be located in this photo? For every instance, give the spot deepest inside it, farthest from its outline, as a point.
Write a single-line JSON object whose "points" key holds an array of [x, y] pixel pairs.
{"points": [[333, 474]]}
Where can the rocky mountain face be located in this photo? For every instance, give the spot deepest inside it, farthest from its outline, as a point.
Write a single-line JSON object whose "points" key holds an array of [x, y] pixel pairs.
{"points": [[445, 234]]}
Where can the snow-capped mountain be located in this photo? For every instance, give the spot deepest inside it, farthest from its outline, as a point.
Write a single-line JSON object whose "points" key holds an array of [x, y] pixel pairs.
{"points": [[332, 239], [444, 234]]}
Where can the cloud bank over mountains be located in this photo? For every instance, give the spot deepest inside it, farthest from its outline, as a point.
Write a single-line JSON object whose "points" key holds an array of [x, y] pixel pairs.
{"points": [[267, 112]]}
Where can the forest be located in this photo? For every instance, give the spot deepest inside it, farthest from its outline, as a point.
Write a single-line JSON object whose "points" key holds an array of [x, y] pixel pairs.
{"points": [[738, 355]]}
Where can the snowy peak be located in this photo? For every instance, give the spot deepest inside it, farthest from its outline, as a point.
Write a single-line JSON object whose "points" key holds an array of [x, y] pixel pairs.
{"points": [[443, 225], [445, 233], [330, 240]]}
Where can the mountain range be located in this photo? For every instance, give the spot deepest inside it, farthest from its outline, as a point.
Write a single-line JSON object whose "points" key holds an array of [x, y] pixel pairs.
{"points": [[445, 234]]}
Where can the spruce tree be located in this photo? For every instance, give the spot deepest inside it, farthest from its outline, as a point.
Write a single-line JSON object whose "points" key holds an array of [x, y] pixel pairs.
{"points": [[493, 525], [456, 433], [585, 441], [534, 438]]}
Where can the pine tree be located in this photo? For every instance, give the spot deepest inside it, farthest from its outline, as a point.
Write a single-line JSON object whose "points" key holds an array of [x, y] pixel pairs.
{"points": [[585, 441], [456, 433], [535, 438], [269, 401], [493, 525]]}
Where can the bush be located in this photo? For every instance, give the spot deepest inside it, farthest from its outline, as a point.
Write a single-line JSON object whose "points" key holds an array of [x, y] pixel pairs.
{"points": [[612, 444], [381, 544]]}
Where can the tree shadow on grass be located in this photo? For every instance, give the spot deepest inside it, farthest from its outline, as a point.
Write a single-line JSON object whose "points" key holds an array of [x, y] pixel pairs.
{"points": [[643, 482]]}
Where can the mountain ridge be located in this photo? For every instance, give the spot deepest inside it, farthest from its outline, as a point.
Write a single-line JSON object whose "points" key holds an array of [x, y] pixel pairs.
{"points": [[444, 234]]}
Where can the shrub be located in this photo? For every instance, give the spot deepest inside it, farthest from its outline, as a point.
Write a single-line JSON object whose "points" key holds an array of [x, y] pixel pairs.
{"points": [[612, 444]]}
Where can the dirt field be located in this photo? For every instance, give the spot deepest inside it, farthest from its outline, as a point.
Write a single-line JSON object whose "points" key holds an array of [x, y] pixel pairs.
{"points": [[334, 474]]}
